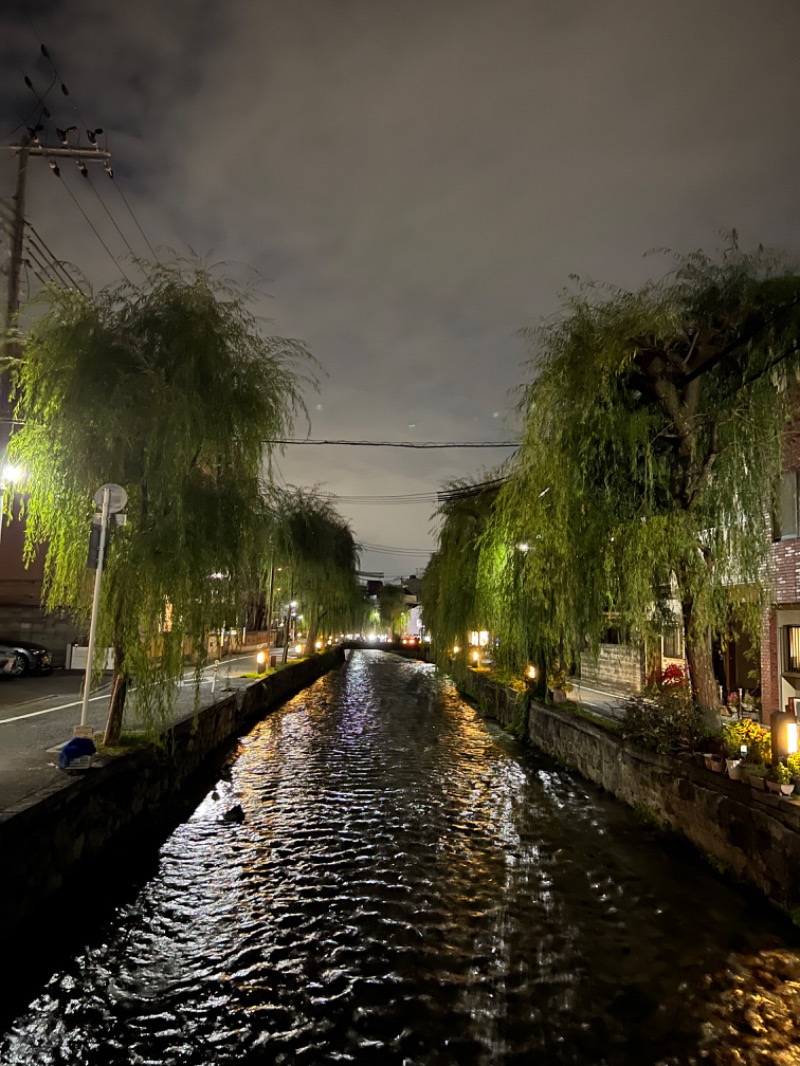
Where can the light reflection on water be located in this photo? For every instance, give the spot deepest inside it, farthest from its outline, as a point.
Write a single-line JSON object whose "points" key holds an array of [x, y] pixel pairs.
{"points": [[405, 888]]}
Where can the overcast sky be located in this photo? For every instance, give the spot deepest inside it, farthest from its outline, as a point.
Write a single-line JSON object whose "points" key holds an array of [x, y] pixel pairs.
{"points": [[415, 182]]}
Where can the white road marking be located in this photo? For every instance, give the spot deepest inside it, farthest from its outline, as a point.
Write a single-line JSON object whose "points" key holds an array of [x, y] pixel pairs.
{"points": [[51, 710], [105, 695]]}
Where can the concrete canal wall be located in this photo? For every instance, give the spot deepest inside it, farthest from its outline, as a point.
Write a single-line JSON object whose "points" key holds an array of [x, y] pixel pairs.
{"points": [[754, 834], [47, 843]]}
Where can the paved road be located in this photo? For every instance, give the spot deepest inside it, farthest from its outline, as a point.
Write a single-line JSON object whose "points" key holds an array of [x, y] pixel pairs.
{"points": [[608, 704], [37, 715]]}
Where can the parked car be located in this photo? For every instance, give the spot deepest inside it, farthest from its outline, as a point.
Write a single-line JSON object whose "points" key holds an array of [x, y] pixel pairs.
{"points": [[18, 657]]}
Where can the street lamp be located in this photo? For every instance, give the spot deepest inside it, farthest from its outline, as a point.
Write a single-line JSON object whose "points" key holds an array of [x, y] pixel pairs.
{"points": [[10, 475]]}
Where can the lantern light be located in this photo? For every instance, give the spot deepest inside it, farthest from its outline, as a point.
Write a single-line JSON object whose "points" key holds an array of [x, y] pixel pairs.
{"points": [[784, 731], [531, 672], [456, 649], [261, 661], [298, 648]]}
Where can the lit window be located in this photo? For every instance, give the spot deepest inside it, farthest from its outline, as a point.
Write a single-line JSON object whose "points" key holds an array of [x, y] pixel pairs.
{"points": [[791, 649], [673, 642], [789, 523]]}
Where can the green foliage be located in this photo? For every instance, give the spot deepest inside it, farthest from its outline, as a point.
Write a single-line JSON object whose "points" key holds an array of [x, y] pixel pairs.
{"points": [[793, 762], [319, 555], [666, 723], [746, 733], [649, 816], [392, 607], [452, 586], [651, 452], [169, 390], [780, 773]]}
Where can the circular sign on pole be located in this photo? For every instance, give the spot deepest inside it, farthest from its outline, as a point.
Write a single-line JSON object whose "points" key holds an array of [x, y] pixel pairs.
{"points": [[117, 497]]}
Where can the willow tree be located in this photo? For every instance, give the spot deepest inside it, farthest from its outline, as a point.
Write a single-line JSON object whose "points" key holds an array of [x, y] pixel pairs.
{"points": [[452, 605], [652, 452], [316, 544], [392, 609], [170, 390]]}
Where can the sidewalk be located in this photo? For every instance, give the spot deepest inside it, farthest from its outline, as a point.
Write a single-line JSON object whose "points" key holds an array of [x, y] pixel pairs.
{"points": [[29, 748], [598, 701]]}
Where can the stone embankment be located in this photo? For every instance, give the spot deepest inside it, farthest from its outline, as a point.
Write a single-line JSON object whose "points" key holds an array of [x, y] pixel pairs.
{"points": [[754, 834], [47, 843]]}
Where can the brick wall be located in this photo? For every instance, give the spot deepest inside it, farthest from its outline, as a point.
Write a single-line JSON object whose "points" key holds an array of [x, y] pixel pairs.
{"points": [[769, 665]]}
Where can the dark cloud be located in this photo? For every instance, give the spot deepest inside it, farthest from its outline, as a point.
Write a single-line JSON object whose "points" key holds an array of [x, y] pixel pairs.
{"points": [[418, 179]]}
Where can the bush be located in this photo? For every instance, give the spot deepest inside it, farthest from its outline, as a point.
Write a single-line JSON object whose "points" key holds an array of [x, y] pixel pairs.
{"points": [[780, 773], [745, 732], [667, 722]]}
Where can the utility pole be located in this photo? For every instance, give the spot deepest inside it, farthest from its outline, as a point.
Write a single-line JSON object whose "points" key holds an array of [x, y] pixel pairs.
{"points": [[30, 148]]}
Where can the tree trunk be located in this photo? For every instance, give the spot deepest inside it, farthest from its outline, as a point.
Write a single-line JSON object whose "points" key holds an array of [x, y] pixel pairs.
{"points": [[116, 707], [701, 665]]}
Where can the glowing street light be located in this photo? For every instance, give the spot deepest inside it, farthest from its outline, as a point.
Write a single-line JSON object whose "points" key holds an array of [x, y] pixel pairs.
{"points": [[10, 475]]}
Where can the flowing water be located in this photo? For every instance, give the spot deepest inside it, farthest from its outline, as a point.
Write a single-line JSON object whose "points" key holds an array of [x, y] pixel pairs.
{"points": [[402, 884]]}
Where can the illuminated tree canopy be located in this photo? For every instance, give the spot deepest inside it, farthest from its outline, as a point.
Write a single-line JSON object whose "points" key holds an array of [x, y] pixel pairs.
{"points": [[650, 458], [169, 390]]}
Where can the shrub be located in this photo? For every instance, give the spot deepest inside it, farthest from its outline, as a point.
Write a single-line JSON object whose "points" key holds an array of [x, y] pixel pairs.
{"points": [[747, 733], [780, 773], [672, 677], [668, 721]]}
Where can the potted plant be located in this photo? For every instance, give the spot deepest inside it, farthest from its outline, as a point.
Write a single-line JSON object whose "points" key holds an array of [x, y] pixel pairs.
{"points": [[557, 682], [734, 768], [779, 779], [757, 775]]}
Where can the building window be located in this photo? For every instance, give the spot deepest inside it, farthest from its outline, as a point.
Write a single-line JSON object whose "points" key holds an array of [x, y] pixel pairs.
{"points": [[789, 513], [673, 642], [791, 649]]}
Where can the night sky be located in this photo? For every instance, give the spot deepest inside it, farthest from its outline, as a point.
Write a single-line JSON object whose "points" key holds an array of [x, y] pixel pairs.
{"points": [[414, 182]]}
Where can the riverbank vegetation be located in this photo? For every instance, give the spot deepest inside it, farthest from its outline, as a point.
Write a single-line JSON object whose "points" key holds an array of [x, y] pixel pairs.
{"points": [[650, 457], [174, 391]]}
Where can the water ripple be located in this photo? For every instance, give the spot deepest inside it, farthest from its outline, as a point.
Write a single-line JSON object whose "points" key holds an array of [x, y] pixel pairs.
{"points": [[405, 887]]}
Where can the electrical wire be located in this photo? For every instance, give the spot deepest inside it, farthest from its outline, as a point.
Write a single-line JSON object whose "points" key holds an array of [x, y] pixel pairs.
{"points": [[38, 249], [118, 187], [386, 549], [34, 237], [399, 443], [94, 230], [116, 226]]}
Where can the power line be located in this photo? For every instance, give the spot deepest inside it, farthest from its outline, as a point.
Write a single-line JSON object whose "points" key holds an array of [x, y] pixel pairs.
{"points": [[34, 236], [400, 443], [416, 498], [94, 230], [118, 187], [385, 549], [38, 249], [116, 226]]}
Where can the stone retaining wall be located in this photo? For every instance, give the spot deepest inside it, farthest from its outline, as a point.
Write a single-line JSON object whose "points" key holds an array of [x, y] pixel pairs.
{"points": [[756, 834], [46, 844]]}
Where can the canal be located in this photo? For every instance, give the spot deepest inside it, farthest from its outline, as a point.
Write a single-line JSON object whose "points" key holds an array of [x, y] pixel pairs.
{"points": [[383, 877]]}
